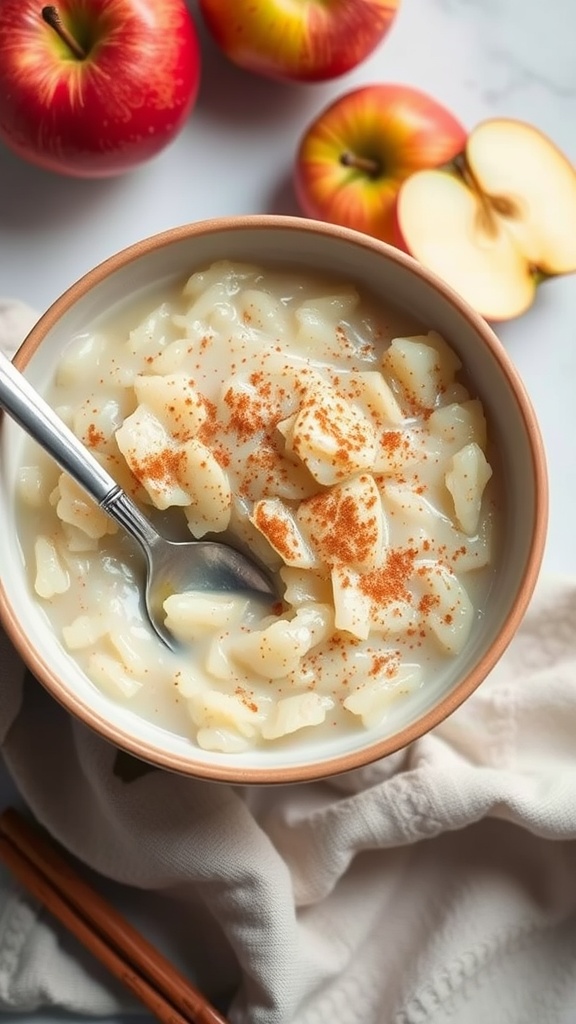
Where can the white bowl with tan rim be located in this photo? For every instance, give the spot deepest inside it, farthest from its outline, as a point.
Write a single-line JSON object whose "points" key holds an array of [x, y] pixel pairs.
{"points": [[396, 278]]}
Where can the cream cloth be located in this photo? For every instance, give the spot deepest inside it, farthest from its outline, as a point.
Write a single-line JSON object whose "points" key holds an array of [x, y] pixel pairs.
{"points": [[437, 886]]}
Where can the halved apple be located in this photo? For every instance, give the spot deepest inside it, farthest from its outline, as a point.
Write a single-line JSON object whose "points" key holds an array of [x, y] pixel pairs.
{"points": [[496, 221]]}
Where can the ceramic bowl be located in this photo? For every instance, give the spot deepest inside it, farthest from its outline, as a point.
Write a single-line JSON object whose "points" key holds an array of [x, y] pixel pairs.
{"points": [[397, 279]]}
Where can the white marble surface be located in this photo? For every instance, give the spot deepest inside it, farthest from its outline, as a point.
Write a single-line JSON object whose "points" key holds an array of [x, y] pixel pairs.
{"points": [[479, 57]]}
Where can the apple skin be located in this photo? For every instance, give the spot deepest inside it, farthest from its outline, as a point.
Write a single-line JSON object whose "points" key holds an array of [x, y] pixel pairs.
{"points": [[396, 128], [304, 42], [105, 114]]}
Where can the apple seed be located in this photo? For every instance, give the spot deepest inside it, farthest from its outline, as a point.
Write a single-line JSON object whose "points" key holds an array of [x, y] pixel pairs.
{"points": [[505, 206]]}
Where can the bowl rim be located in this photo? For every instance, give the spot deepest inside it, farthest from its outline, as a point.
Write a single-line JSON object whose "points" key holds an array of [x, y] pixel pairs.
{"points": [[364, 755]]}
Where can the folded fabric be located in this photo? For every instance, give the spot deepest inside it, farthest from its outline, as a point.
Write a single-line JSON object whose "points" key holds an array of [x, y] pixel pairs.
{"points": [[437, 885]]}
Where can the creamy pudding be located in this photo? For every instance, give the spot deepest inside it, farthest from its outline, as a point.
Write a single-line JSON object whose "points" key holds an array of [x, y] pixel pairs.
{"points": [[302, 420]]}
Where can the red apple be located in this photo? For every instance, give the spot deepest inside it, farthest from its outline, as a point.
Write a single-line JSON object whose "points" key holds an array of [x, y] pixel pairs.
{"points": [[497, 221], [93, 87], [355, 155], [298, 41]]}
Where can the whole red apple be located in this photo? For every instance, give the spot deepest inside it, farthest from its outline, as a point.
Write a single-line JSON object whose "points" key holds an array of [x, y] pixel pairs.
{"points": [[305, 41], [355, 155], [92, 88]]}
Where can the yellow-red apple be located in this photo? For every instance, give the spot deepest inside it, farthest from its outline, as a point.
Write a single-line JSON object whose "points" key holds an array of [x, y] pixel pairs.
{"points": [[306, 41], [497, 221], [92, 87], [355, 155]]}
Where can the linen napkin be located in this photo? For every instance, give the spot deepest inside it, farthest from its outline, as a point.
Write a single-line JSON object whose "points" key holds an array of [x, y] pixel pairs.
{"points": [[437, 885]]}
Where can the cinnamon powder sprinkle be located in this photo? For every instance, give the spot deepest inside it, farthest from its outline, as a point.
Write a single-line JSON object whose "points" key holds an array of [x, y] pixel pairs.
{"points": [[347, 538], [392, 440], [428, 602], [94, 436], [388, 582], [277, 531], [249, 413], [384, 664], [247, 698], [162, 465], [208, 432]]}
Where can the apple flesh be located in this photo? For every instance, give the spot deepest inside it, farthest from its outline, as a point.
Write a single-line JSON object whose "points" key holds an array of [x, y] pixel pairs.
{"points": [[100, 87], [306, 41], [355, 155], [496, 222]]}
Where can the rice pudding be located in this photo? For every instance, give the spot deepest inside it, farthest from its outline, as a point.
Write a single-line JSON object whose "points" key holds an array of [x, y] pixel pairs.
{"points": [[305, 422]]}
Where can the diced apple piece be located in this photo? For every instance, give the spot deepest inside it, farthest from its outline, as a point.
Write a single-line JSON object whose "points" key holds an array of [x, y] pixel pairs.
{"points": [[110, 674], [374, 393], [372, 700], [52, 577], [174, 401], [130, 644], [286, 428], [191, 680], [328, 309], [332, 438], [391, 618], [76, 540], [277, 524], [351, 606], [398, 450], [459, 424], [85, 350], [190, 616], [346, 525], [466, 479], [74, 507], [152, 333], [318, 320], [261, 311], [84, 631], [211, 709], [153, 457], [296, 712], [436, 531], [31, 484], [217, 662], [416, 365], [449, 612], [208, 488], [275, 651], [231, 277], [455, 392], [304, 587], [448, 361], [245, 533], [225, 740]]}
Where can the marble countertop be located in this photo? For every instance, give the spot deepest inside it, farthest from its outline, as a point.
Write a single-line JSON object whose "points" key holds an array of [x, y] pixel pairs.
{"points": [[481, 58]]}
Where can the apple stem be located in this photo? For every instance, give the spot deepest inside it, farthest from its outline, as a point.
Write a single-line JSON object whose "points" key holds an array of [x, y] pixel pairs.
{"points": [[52, 18], [361, 163]]}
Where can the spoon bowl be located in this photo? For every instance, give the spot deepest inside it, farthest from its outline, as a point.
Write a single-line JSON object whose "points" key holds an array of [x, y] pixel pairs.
{"points": [[173, 567]]}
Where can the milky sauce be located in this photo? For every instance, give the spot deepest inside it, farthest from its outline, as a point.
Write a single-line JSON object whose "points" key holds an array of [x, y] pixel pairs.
{"points": [[310, 425]]}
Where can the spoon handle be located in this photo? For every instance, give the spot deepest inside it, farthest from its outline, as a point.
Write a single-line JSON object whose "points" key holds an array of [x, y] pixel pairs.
{"points": [[36, 417], [28, 408]]}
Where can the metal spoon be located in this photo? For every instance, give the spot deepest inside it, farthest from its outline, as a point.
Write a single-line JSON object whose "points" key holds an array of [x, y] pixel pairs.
{"points": [[172, 566]]}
